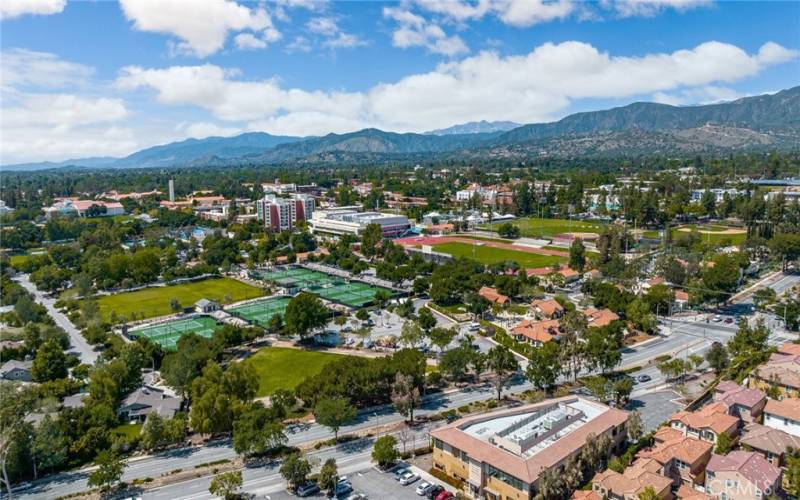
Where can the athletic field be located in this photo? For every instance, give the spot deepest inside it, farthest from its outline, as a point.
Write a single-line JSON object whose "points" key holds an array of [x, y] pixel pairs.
{"points": [[167, 334], [259, 313], [333, 288], [547, 228], [155, 301], [490, 255]]}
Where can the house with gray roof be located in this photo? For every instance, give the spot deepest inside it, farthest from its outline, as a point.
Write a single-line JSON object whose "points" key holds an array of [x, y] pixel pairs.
{"points": [[773, 444], [16, 370], [145, 400]]}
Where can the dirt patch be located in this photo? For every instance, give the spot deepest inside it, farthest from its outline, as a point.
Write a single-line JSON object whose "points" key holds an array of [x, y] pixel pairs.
{"points": [[583, 236]]}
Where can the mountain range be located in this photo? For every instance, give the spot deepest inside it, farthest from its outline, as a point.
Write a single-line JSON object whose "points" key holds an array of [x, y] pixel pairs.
{"points": [[764, 122]]}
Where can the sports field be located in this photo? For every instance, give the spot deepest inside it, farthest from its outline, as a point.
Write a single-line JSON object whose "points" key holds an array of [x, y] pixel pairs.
{"points": [[533, 227], [283, 368], [259, 313], [490, 255], [709, 233], [167, 334], [333, 288], [151, 302]]}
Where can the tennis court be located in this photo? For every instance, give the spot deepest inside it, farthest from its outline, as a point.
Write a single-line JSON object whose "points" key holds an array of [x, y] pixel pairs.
{"points": [[353, 294], [259, 313], [167, 334], [333, 288]]}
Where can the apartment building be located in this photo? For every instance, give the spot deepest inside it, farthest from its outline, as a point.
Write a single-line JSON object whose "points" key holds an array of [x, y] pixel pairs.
{"points": [[741, 475], [705, 424], [281, 214], [683, 459], [783, 415], [633, 481], [772, 444], [500, 455], [781, 372], [742, 402]]}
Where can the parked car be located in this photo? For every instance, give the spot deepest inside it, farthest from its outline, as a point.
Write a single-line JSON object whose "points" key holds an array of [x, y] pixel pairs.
{"points": [[408, 478], [644, 378], [357, 496], [400, 471], [434, 492], [423, 488], [343, 488], [729, 320], [474, 327], [717, 318], [445, 495], [308, 489]]}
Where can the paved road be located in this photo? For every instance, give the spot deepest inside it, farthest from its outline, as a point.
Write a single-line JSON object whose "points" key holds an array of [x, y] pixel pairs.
{"points": [[79, 345]]}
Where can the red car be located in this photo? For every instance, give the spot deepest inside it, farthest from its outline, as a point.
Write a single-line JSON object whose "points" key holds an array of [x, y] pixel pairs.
{"points": [[445, 495]]}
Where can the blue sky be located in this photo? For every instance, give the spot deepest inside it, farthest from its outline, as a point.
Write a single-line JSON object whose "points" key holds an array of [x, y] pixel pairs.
{"points": [[94, 78]]}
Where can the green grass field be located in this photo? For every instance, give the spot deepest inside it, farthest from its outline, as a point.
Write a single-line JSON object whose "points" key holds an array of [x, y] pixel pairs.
{"points": [[152, 302], [283, 368], [713, 234], [130, 431], [533, 227], [490, 255]]}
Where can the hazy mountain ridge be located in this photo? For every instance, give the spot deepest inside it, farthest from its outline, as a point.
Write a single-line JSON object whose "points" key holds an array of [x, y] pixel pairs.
{"points": [[481, 127], [751, 123]]}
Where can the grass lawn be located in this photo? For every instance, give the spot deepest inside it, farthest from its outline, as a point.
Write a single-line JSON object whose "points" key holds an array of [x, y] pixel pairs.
{"points": [[534, 227], [155, 301], [490, 255], [713, 234], [284, 368], [130, 431]]}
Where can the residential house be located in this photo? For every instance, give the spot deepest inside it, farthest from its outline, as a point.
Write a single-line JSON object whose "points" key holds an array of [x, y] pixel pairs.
{"points": [[16, 370], [600, 317], [570, 275], [547, 309], [683, 458], [783, 414], [707, 423], [492, 295], [741, 475], [781, 372], [502, 454], [771, 443], [145, 400], [585, 495], [643, 473], [742, 402], [537, 332], [75, 400], [681, 299]]}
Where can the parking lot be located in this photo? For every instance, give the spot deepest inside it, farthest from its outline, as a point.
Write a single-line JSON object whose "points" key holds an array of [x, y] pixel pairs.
{"points": [[375, 485], [655, 407]]}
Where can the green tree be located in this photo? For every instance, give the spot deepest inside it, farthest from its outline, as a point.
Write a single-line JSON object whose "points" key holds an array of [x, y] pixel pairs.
{"points": [[441, 337], [405, 395], [717, 357], [577, 255], [370, 238], [635, 426], [384, 451], [649, 493], [410, 334], [304, 313], [792, 475], [602, 348], [749, 341], [226, 484], [50, 362], [255, 431], [295, 470], [455, 362], [544, 366], [508, 230], [175, 305], [334, 413], [426, 320], [328, 477], [502, 362], [109, 470], [622, 389], [477, 305], [217, 396], [49, 447], [724, 444]]}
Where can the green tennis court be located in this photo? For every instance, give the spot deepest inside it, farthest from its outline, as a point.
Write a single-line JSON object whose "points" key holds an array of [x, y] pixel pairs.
{"points": [[259, 313], [167, 334], [333, 288], [298, 277], [353, 294]]}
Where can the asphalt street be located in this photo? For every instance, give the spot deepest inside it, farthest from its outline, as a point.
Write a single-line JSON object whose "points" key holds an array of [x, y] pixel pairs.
{"points": [[79, 345]]}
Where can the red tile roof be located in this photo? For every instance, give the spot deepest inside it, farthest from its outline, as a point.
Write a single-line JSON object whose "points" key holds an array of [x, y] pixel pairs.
{"points": [[713, 416], [539, 331], [547, 307], [674, 445], [492, 295], [731, 393], [784, 408], [600, 317]]}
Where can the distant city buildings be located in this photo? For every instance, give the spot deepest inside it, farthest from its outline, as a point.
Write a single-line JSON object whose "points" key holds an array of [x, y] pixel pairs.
{"points": [[71, 207], [348, 220], [281, 214]]}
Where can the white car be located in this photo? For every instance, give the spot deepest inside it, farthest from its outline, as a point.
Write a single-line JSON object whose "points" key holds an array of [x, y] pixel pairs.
{"points": [[423, 488], [408, 478]]}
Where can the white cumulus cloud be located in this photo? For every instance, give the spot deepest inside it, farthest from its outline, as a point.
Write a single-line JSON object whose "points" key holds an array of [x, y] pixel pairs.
{"points": [[15, 8], [415, 31], [202, 25], [537, 86]]}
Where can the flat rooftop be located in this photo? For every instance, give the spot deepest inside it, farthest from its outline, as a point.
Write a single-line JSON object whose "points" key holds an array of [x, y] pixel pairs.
{"points": [[526, 434]]}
